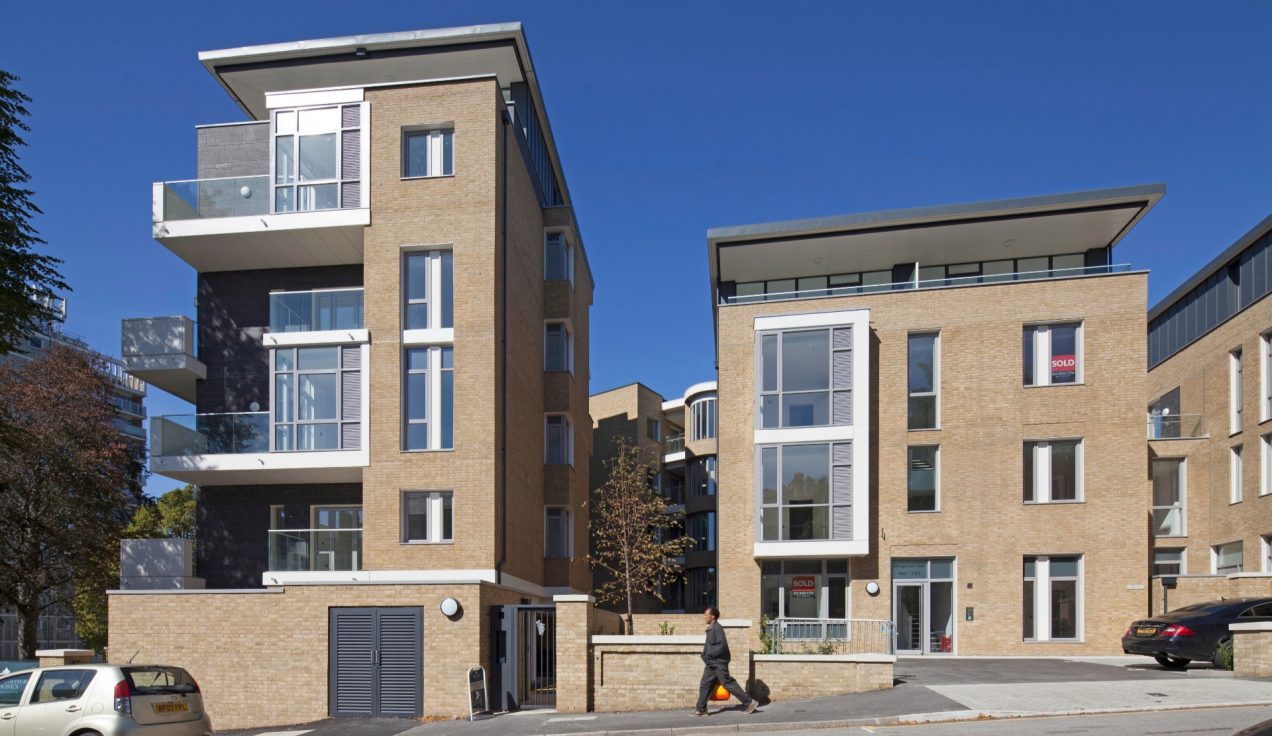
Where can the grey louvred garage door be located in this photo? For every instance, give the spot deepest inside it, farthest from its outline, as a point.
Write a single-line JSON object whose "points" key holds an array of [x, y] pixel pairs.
{"points": [[376, 662]]}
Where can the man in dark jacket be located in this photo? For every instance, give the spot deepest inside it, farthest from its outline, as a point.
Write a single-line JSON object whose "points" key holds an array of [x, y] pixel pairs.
{"points": [[715, 654]]}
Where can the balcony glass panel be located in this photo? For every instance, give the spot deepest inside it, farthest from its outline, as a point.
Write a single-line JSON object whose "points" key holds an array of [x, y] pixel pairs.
{"points": [[325, 550], [310, 311], [204, 198], [213, 434]]}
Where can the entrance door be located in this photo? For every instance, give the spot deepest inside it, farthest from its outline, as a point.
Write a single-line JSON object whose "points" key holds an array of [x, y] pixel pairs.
{"points": [[376, 662], [528, 665], [909, 617], [923, 605]]}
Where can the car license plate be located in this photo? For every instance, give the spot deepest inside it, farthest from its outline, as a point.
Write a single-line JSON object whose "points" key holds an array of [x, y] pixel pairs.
{"points": [[162, 708], [1146, 631]]}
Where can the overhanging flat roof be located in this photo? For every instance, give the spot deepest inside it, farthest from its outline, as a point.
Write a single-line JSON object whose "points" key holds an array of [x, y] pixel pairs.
{"points": [[1216, 263], [983, 231]]}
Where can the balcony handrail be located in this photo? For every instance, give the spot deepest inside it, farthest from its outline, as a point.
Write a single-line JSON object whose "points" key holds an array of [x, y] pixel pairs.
{"points": [[674, 443], [319, 291], [828, 291], [213, 414], [1176, 426], [341, 529], [212, 178]]}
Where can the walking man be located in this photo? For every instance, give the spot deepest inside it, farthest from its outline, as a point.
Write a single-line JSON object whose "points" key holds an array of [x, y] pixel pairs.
{"points": [[715, 654]]}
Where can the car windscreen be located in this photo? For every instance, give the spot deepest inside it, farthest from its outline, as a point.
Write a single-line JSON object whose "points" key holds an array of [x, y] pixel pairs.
{"points": [[159, 680]]}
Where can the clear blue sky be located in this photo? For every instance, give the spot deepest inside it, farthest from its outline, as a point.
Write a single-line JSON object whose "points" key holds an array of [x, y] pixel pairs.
{"points": [[676, 117]]}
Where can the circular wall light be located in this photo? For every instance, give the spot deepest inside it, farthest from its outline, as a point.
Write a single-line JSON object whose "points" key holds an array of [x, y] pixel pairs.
{"points": [[872, 588], [449, 607]]}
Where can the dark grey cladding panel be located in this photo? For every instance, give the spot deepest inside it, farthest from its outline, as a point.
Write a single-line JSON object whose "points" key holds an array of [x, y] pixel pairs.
{"points": [[234, 150], [232, 544], [233, 313]]}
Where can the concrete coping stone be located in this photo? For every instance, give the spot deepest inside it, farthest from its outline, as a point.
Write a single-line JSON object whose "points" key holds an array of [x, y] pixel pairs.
{"points": [[573, 598], [650, 639], [1251, 626], [64, 652], [735, 623], [197, 591], [862, 658]]}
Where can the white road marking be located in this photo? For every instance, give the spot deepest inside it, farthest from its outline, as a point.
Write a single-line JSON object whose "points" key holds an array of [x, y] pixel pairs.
{"points": [[570, 718]]}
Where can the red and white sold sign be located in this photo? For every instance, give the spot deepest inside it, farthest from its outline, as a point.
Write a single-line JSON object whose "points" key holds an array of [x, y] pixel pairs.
{"points": [[803, 586], [1064, 367]]}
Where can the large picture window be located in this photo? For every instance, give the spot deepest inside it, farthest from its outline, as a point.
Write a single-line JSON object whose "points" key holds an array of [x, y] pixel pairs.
{"points": [[317, 402], [429, 399], [806, 378], [1053, 354], [805, 589], [317, 158], [923, 381], [1052, 607], [798, 500]]}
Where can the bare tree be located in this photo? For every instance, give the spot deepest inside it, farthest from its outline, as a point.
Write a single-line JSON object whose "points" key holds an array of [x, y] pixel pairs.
{"points": [[631, 529], [68, 482]]}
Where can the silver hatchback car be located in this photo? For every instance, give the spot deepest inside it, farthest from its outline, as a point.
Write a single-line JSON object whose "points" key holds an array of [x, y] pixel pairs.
{"points": [[102, 700]]}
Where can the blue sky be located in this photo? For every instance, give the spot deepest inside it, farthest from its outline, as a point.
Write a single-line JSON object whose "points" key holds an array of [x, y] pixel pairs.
{"points": [[676, 117]]}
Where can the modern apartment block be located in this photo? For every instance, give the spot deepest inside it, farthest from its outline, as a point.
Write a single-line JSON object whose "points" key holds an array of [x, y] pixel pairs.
{"points": [[1210, 427], [678, 438], [389, 366], [933, 417]]}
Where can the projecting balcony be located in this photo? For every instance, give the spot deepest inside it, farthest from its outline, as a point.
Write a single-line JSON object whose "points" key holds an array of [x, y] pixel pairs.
{"points": [[1176, 427], [315, 550], [674, 448], [234, 224], [160, 351], [229, 449], [319, 316]]}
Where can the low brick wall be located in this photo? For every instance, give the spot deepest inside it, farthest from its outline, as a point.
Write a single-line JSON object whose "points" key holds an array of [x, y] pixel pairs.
{"points": [[647, 624], [797, 676], [1252, 649], [647, 672]]}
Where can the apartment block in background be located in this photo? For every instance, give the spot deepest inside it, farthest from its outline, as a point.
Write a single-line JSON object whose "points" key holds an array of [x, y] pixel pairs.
{"points": [[678, 438], [932, 417], [1210, 428], [388, 364]]}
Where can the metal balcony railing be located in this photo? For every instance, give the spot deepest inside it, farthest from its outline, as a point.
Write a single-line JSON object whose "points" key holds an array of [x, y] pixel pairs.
{"points": [[196, 199], [327, 550], [211, 434], [998, 278], [831, 636], [319, 309], [1176, 426], [674, 443]]}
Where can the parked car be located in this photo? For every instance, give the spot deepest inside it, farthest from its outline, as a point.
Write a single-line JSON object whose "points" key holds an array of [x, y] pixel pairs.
{"points": [[102, 700], [1193, 632]]}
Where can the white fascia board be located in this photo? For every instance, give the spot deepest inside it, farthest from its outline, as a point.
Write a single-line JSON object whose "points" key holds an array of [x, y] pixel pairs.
{"points": [[261, 461], [855, 317], [674, 457], [700, 388], [435, 336], [472, 576], [805, 434], [813, 550], [275, 100], [673, 404], [262, 223], [573, 599], [317, 337]]}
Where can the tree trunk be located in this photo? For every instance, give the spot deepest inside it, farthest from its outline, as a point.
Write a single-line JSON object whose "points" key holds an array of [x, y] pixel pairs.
{"points": [[28, 631]]}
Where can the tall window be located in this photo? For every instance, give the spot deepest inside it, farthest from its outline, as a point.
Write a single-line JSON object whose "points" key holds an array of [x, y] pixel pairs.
{"points": [[428, 290], [1265, 477], [1236, 471], [796, 372], [798, 500], [702, 477], [558, 258], [703, 419], [558, 440], [653, 429], [429, 399], [428, 517], [1053, 354], [1265, 379], [924, 381], [317, 403], [1053, 471], [1051, 599], [1225, 559], [1234, 391], [1168, 561], [922, 478], [317, 153], [1169, 498], [558, 533], [701, 528], [558, 347], [428, 153]]}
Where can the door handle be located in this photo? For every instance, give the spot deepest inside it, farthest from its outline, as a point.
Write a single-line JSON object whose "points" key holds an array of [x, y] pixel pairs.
{"points": [[72, 708], [9, 716]]}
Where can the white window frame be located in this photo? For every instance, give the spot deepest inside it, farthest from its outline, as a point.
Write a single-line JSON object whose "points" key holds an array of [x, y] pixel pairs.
{"points": [[936, 379], [1214, 557], [435, 516], [1265, 377], [567, 258], [568, 345], [936, 484], [704, 419], [1042, 471], [1183, 559], [437, 135], [547, 442], [434, 330], [432, 400], [1236, 474], [1182, 504], [1042, 599], [1265, 464], [1042, 353], [1265, 551], [340, 420], [1235, 380], [567, 530]]}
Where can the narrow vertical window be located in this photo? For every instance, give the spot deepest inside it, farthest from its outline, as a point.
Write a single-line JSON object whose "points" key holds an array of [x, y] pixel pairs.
{"points": [[1265, 476], [923, 381], [558, 440], [653, 429], [1235, 471], [428, 290], [417, 399], [1169, 511], [1265, 383], [1234, 391], [922, 479], [558, 533], [558, 258], [428, 399]]}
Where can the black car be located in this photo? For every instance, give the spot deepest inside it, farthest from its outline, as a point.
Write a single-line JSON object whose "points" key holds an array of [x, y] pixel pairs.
{"points": [[1193, 632]]}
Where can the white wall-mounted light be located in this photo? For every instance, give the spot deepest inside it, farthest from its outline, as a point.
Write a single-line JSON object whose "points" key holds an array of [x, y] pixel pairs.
{"points": [[872, 588], [449, 607]]}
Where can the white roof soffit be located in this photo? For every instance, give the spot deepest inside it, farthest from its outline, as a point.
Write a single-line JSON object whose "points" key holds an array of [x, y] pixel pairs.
{"points": [[986, 231]]}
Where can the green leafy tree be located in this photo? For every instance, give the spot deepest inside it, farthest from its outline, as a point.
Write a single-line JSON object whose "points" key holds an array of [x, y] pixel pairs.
{"points": [[169, 517], [29, 281], [630, 529], [68, 483]]}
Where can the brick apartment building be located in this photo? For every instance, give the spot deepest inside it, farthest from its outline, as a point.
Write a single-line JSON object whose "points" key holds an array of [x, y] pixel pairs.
{"points": [[389, 370]]}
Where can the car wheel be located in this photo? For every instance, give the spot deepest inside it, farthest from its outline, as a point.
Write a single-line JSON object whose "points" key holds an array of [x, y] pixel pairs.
{"points": [[1174, 663], [1217, 658]]}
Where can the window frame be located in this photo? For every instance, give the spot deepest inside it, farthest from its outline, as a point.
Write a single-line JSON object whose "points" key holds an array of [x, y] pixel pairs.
{"points": [[439, 290], [653, 429], [435, 409], [567, 347], [778, 394], [935, 393], [1236, 474], [1265, 464], [568, 439], [339, 421], [567, 257], [781, 506], [293, 182], [1042, 600], [1041, 345], [567, 530], [703, 419], [1182, 561], [1216, 551], [1181, 469], [435, 516], [1043, 495], [441, 141], [936, 479], [1265, 376], [1236, 383], [1265, 552]]}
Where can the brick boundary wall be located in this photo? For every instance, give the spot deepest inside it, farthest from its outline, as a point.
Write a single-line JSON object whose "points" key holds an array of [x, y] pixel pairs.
{"points": [[1252, 649]]}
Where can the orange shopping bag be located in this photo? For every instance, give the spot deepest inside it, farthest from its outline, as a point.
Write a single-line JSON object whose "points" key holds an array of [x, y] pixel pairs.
{"points": [[719, 693]]}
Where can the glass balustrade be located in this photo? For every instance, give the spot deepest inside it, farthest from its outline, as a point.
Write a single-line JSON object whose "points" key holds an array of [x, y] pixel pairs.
{"points": [[211, 434], [321, 309], [320, 550]]}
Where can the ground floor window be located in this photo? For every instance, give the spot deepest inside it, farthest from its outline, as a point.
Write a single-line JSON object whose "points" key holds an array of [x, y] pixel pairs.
{"points": [[1052, 598], [1226, 558], [804, 589], [1168, 561], [923, 605]]}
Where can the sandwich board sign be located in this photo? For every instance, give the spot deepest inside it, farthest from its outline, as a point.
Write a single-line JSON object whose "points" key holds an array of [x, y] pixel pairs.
{"points": [[478, 702]]}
